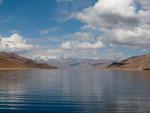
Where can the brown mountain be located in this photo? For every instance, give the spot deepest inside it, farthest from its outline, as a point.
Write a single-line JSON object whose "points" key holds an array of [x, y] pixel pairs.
{"points": [[13, 61], [133, 63]]}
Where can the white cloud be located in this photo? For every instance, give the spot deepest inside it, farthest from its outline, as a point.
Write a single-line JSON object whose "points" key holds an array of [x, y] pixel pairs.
{"points": [[14, 43], [108, 13], [66, 15], [120, 21], [145, 4], [83, 45], [138, 38], [47, 31], [83, 36], [1, 1], [121, 7], [135, 38], [59, 1]]}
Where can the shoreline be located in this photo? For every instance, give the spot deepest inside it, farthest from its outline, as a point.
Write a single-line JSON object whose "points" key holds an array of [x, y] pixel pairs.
{"points": [[132, 69], [101, 69], [11, 69], [22, 69]]}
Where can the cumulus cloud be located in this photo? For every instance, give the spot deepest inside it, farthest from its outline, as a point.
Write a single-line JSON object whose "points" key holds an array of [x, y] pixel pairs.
{"points": [[107, 13], [140, 37], [14, 43], [120, 21]]}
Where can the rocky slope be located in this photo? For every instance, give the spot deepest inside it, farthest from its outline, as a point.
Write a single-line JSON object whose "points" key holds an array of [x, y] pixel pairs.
{"points": [[133, 63], [10, 61]]}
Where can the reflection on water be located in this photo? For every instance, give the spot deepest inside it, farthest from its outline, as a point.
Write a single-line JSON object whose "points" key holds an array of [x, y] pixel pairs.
{"points": [[58, 91]]}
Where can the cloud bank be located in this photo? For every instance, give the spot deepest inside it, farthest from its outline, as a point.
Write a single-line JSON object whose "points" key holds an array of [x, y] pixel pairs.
{"points": [[124, 22]]}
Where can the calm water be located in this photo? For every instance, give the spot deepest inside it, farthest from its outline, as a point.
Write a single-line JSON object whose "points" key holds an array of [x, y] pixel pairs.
{"points": [[56, 91]]}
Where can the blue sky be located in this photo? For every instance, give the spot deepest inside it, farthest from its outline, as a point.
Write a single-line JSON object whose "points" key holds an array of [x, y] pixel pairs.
{"points": [[31, 16], [75, 28]]}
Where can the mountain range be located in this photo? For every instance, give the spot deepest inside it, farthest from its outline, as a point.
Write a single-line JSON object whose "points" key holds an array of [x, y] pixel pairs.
{"points": [[14, 61]]}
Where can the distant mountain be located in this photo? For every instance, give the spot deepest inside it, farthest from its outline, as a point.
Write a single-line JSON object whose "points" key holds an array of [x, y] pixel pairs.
{"points": [[73, 63], [133, 63], [11, 60]]}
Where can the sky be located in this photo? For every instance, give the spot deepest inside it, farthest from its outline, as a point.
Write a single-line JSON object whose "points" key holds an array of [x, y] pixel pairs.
{"points": [[91, 29]]}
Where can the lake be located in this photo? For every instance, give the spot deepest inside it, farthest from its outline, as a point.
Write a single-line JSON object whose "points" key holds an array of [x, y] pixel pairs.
{"points": [[72, 91]]}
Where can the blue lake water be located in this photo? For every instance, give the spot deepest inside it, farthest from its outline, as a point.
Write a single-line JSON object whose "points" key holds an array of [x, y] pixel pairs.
{"points": [[62, 91]]}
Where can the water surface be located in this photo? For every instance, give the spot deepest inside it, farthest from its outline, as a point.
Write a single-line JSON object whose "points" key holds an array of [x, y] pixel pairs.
{"points": [[61, 91]]}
